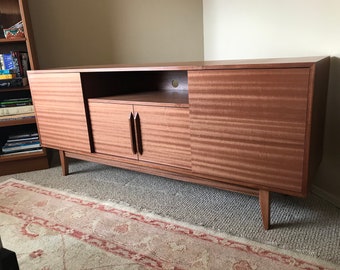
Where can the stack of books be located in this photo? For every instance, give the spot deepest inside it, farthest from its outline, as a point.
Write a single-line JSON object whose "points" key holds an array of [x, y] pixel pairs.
{"points": [[16, 108], [22, 143], [13, 69]]}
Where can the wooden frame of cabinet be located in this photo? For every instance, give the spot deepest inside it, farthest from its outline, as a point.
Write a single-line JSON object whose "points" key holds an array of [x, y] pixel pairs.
{"points": [[251, 126], [11, 12]]}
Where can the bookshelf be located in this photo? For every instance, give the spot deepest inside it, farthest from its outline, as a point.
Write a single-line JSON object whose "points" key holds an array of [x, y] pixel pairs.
{"points": [[11, 12]]}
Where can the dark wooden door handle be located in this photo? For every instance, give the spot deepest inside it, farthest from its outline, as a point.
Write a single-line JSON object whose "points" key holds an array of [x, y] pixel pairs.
{"points": [[138, 134], [132, 134]]}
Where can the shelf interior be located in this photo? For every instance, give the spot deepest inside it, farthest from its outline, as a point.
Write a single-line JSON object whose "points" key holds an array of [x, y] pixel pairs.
{"points": [[162, 97], [168, 88]]}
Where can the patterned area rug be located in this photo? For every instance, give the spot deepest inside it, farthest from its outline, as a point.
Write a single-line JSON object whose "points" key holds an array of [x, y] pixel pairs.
{"points": [[50, 229]]}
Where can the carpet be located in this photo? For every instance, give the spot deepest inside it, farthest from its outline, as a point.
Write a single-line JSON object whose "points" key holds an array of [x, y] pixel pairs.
{"points": [[51, 229]]}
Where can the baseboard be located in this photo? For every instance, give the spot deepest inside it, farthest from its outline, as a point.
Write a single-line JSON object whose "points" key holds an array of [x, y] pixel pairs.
{"points": [[326, 195]]}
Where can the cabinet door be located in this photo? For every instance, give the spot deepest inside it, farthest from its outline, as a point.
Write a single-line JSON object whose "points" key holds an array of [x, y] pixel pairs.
{"points": [[249, 126], [59, 107], [165, 135], [111, 129]]}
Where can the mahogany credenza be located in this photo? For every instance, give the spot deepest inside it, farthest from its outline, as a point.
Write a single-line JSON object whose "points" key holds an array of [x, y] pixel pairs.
{"points": [[250, 126]]}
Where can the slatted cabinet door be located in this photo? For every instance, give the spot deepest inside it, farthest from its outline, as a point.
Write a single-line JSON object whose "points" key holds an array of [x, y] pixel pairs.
{"points": [[164, 132], [250, 125], [59, 107], [165, 135], [111, 128]]}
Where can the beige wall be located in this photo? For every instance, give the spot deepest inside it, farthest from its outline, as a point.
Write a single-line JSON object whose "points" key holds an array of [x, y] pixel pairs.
{"points": [[72, 32], [255, 29]]}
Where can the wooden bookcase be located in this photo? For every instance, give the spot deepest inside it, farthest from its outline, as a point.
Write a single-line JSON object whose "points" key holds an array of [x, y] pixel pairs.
{"points": [[11, 12]]}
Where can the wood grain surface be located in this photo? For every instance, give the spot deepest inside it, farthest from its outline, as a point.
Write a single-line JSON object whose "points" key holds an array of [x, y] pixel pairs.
{"points": [[164, 132], [111, 128], [165, 135], [250, 125], [60, 111]]}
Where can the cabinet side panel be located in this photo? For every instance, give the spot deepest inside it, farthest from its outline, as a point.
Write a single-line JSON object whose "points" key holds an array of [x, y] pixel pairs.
{"points": [[318, 95], [249, 126], [60, 111], [165, 135]]}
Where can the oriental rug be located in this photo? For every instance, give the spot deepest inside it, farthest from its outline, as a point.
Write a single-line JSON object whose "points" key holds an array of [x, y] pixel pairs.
{"points": [[51, 229]]}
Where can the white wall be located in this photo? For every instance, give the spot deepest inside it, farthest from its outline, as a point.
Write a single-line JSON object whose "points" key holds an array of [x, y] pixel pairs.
{"points": [[267, 28], [236, 29]]}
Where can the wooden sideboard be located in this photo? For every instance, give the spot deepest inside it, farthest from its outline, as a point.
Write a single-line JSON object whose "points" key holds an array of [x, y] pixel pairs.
{"points": [[250, 126]]}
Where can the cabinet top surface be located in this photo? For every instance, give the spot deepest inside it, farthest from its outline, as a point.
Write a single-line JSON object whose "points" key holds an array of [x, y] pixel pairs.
{"points": [[196, 65]]}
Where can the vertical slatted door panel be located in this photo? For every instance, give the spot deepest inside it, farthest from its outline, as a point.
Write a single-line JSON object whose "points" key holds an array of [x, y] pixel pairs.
{"points": [[249, 126], [165, 135], [111, 129], [60, 111]]}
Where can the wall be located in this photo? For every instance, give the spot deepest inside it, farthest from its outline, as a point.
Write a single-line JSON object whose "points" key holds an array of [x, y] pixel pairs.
{"points": [[71, 32], [264, 28]]}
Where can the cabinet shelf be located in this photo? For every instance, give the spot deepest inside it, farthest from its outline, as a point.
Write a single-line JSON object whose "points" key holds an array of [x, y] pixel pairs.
{"points": [[13, 40], [169, 98], [23, 155], [15, 89], [17, 121]]}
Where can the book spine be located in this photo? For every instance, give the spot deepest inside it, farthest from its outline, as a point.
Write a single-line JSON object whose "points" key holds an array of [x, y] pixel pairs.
{"points": [[16, 110], [23, 139], [15, 102], [20, 148], [39, 149], [16, 82], [7, 71], [17, 116], [21, 143], [24, 63], [17, 65], [7, 76], [8, 61], [2, 64], [25, 135]]}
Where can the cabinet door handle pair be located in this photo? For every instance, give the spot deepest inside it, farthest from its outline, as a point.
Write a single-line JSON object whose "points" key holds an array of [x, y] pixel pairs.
{"points": [[135, 134]]}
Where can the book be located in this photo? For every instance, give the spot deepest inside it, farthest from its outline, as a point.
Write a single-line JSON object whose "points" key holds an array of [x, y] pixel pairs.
{"points": [[17, 116], [22, 139], [7, 76], [24, 63], [17, 64], [8, 61], [7, 71], [22, 103], [15, 82], [16, 110], [20, 148], [23, 152], [17, 61], [2, 64], [15, 102], [21, 143], [26, 134]]}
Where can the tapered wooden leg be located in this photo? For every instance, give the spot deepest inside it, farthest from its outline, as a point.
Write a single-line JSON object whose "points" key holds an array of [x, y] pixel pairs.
{"points": [[64, 162], [264, 197]]}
